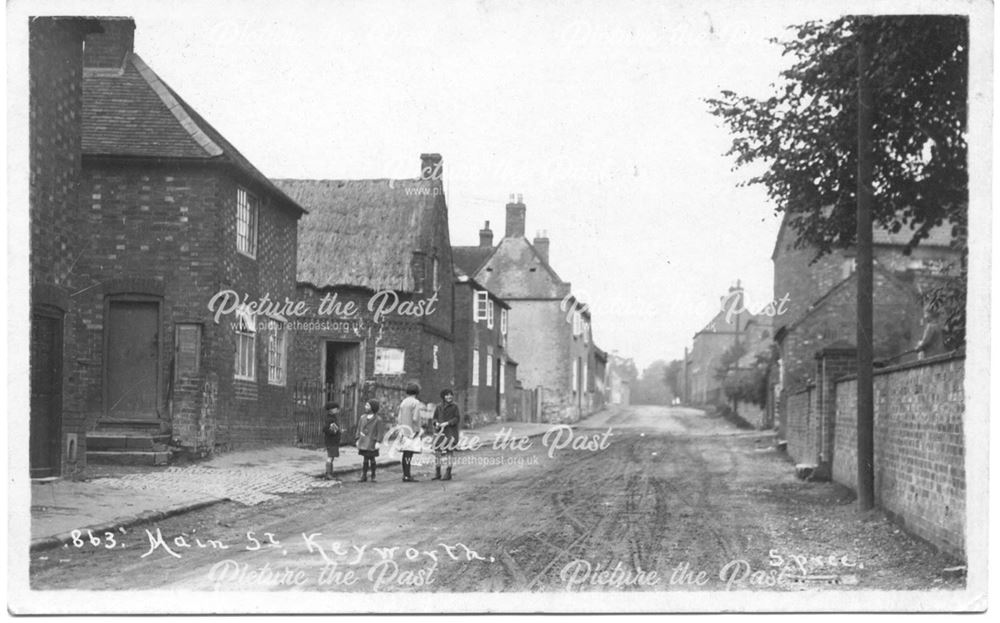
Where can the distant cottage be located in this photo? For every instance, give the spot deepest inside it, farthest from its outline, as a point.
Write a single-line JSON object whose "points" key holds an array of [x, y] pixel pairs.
{"points": [[486, 373], [549, 332]]}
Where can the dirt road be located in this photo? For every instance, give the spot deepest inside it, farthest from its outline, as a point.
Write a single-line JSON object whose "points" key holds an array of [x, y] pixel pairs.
{"points": [[650, 498]]}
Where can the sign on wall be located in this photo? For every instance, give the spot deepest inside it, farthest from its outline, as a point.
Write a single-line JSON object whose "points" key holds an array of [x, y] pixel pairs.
{"points": [[389, 360]]}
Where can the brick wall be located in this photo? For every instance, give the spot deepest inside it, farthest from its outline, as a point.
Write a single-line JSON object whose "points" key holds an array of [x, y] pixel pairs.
{"points": [[255, 413], [416, 338], [167, 231], [919, 447], [896, 316], [55, 58], [799, 428]]}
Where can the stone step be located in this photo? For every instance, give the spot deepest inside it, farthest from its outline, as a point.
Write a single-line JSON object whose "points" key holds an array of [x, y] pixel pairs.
{"points": [[107, 440], [153, 427], [131, 457]]}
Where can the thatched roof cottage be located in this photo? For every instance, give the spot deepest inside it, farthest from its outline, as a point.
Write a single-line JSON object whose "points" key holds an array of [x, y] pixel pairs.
{"points": [[375, 271]]}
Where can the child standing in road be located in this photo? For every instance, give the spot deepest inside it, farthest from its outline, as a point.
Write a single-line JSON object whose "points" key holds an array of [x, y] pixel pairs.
{"points": [[408, 420], [370, 433], [331, 437], [446, 419]]}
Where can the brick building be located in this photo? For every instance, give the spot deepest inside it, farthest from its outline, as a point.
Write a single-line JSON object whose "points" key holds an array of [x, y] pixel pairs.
{"points": [[170, 214], [377, 245], [617, 381], [55, 93], [485, 373], [733, 324], [816, 337], [549, 334]]}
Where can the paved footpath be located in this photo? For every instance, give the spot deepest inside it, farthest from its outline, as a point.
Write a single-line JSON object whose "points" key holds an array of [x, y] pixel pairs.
{"points": [[250, 477]]}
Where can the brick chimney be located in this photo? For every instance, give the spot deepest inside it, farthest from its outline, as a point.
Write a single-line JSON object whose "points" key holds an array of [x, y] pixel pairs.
{"points": [[486, 236], [541, 243], [515, 218], [108, 50], [431, 167]]}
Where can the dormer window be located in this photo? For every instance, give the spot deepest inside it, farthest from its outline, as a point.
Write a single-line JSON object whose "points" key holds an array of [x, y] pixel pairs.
{"points": [[246, 223]]}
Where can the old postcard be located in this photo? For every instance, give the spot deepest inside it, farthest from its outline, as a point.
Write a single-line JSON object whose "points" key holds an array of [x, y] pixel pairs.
{"points": [[498, 307]]}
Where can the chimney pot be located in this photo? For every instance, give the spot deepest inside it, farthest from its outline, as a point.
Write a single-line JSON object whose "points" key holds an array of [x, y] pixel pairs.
{"points": [[515, 218], [486, 236], [541, 244], [431, 167]]}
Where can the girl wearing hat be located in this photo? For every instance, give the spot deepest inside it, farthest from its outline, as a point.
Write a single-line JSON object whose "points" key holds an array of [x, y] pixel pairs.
{"points": [[369, 438]]}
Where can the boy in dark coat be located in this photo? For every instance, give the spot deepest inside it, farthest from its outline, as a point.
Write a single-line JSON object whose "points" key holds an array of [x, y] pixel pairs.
{"points": [[446, 419], [331, 437]]}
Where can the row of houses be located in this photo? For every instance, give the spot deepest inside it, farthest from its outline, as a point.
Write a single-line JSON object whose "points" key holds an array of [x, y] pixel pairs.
{"points": [[800, 349], [814, 309], [182, 299]]}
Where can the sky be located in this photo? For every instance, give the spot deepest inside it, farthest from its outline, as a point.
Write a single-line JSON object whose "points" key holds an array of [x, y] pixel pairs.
{"points": [[593, 111]]}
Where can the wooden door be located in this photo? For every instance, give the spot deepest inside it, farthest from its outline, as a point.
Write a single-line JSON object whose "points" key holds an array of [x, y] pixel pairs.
{"points": [[46, 394], [132, 358]]}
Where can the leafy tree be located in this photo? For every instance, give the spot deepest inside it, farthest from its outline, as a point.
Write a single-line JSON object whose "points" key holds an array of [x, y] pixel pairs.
{"points": [[651, 388], [673, 377], [730, 360], [746, 384], [804, 134]]}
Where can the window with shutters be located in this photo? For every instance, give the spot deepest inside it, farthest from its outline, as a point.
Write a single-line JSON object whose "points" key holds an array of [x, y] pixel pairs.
{"points": [[187, 349], [489, 312], [475, 367], [481, 301], [246, 347], [277, 352], [246, 223]]}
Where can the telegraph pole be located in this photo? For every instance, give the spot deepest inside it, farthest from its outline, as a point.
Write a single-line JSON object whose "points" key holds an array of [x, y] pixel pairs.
{"points": [[866, 398]]}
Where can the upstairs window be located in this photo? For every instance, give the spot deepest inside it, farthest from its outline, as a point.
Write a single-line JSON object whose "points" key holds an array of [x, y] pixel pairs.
{"points": [[246, 223], [577, 323], [503, 321], [489, 311], [481, 305], [435, 284]]}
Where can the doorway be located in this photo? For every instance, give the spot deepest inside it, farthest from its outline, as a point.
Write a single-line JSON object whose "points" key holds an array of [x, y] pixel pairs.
{"points": [[132, 361], [341, 379], [45, 426]]}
